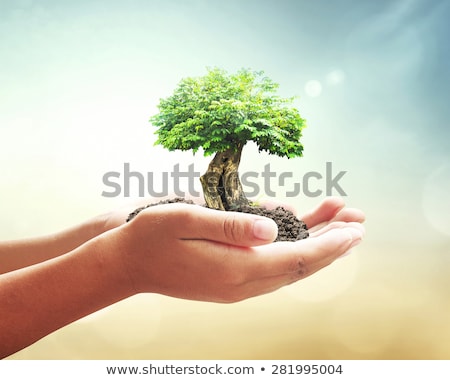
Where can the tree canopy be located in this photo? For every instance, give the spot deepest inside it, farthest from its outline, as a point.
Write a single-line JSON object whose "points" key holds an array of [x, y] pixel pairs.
{"points": [[220, 111]]}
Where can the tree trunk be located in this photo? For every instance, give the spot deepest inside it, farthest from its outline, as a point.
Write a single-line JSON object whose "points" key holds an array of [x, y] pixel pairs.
{"points": [[222, 188]]}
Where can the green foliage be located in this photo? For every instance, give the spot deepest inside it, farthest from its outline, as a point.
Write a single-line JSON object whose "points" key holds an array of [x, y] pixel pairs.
{"points": [[220, 111]]}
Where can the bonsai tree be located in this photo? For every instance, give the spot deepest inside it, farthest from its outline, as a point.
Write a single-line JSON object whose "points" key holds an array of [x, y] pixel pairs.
{"points": [[220, 113]]}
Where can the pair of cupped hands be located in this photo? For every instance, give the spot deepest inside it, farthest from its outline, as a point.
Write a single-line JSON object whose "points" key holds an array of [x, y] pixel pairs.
{"points": [[192, 252]]}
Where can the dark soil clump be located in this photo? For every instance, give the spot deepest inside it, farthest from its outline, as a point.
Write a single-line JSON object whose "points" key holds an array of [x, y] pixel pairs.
{"points": [[290, 228], [164, 202]]}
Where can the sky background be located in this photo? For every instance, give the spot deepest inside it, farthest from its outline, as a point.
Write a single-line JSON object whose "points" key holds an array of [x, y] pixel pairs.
{"points": [[80, 79]]}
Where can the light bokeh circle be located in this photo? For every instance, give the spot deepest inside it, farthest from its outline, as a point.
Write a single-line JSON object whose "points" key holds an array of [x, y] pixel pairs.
{"points": [[313, 88], [335, 77], [365, 326]]}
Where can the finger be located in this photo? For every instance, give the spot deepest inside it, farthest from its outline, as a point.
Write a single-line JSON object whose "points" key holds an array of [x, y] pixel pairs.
{"points": [[254, 271], [294, 265], [330, 226], [192, 222], [239, 229], [324, 212], [343, 215], [348, 214], [301, 258]]}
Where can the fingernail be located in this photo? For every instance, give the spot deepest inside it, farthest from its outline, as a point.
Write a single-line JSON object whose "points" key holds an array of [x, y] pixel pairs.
{"points": [[265, 229], [356, 236]]}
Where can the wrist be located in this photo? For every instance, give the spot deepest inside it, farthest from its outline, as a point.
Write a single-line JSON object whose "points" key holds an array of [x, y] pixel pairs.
{"points": [[135, 253], [120, 243], [114, 248]]}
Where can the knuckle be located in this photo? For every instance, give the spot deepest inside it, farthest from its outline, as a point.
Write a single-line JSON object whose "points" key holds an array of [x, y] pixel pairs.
{"points": [[232, 228], [179, 216], [166, 218], [300, 267]]}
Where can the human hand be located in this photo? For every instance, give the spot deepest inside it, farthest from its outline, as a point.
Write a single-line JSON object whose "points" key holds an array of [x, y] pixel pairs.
{"points": [[192, 252], [117, 217], [332, 213]]}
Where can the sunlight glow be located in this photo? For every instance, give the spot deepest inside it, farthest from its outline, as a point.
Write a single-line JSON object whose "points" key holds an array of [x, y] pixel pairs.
{"points": [[313, 88]]}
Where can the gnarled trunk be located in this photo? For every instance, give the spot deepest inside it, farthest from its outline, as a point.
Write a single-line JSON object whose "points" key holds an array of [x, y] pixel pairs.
{"points": [[222, 188]]}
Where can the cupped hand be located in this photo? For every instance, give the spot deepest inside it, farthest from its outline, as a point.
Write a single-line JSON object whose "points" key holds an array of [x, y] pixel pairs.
{"points": [[192, 252], [117, 217], [332, 213]]}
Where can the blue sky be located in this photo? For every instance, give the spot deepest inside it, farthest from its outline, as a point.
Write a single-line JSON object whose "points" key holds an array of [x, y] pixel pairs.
{"points": [[80, 79]]}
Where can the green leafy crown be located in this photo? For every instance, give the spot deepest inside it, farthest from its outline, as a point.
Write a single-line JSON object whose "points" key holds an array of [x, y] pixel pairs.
{"points": [[220, 111]]}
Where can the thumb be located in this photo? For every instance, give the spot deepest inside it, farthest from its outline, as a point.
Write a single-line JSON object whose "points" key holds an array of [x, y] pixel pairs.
{"points": [[236, 228]]}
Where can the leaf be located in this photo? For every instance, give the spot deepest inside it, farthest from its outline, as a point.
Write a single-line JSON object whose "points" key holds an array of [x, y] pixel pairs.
{"points": [[217, 108]]}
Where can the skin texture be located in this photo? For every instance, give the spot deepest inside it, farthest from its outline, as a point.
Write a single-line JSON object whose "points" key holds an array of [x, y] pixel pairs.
{"points": [[178, 250]]}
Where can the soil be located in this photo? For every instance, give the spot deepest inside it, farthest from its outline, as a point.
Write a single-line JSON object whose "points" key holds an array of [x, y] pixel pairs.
{"points": [[290, 228]]}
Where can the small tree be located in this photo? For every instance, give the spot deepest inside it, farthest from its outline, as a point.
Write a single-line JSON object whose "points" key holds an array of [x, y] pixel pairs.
{"points": [[221, 113]]}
